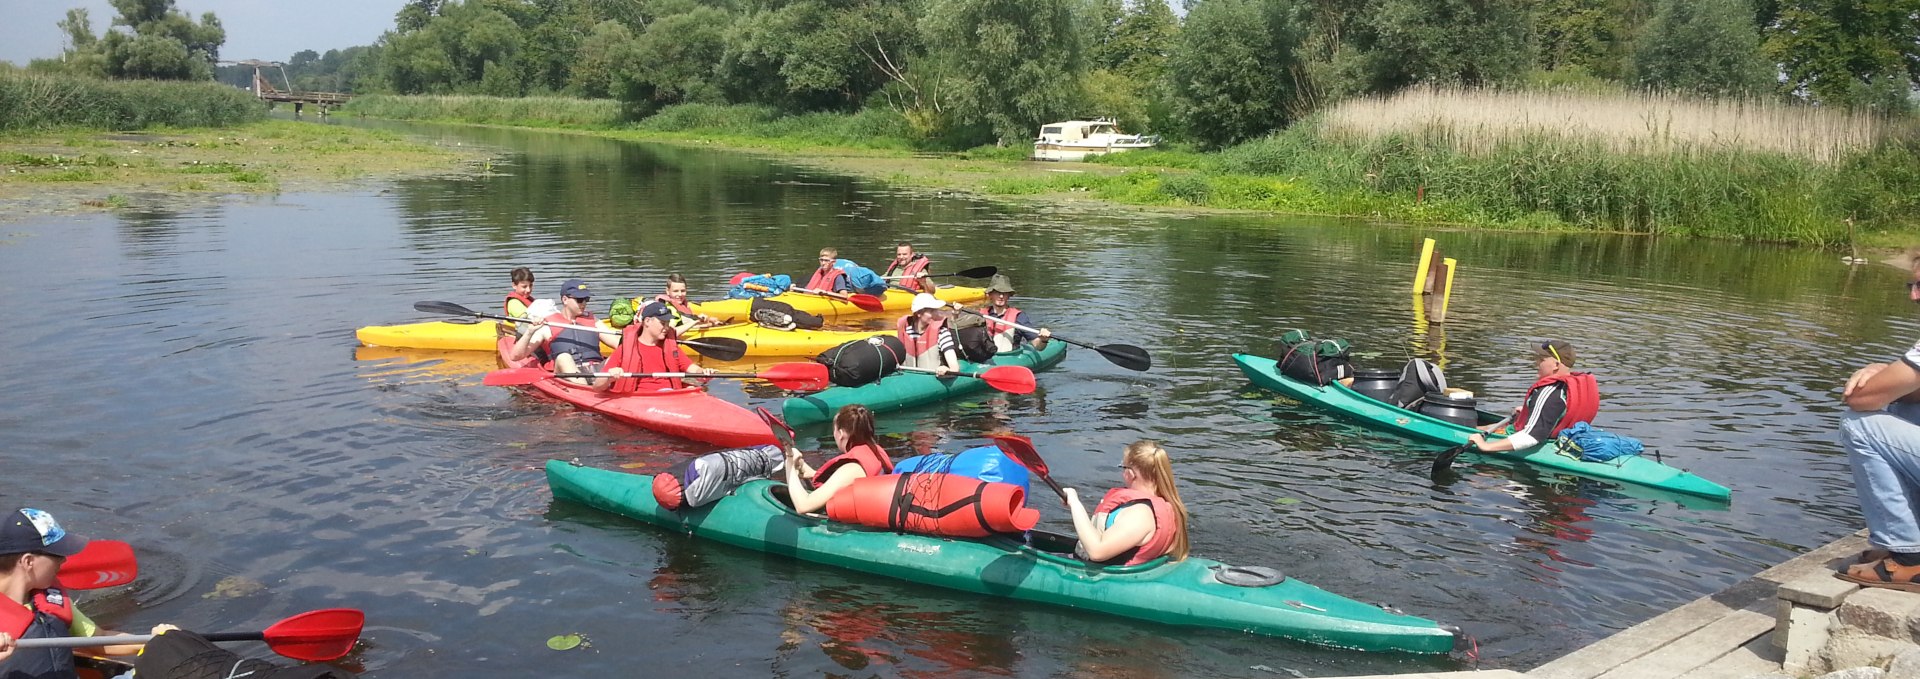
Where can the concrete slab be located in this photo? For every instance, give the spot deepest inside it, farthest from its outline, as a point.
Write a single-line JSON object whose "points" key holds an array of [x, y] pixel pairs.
{"points": [[1819, 590], [1758, 657], [1475, 674], [1697, 649]]}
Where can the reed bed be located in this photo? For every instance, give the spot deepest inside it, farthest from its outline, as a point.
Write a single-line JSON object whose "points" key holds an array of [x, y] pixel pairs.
{"points": [[522, 111], [42, 102]]}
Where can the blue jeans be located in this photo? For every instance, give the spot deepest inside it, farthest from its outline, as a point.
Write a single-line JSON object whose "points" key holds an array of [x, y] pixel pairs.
{"points": [[1884, 450]]}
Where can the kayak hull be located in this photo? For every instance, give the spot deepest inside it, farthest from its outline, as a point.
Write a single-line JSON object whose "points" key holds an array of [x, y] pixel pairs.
{"points": [[908, 389], [443, 335], [762, 341], [689, 413], [896, 301], [1181, 593], [1345, 402]]}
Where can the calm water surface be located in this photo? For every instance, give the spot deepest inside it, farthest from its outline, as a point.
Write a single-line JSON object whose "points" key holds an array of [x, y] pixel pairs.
{"points": [[189, 381]]}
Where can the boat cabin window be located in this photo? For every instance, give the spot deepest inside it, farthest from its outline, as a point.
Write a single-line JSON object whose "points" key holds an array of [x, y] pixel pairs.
{"points": [[1101, 129], [1050, 129]]}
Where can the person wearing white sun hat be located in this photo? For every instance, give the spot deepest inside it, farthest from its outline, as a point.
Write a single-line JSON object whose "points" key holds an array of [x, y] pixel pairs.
{"points": [[930, 343]]}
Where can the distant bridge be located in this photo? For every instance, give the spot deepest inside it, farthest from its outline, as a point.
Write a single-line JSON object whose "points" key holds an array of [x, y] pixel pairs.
{"points": [[264, 89]]}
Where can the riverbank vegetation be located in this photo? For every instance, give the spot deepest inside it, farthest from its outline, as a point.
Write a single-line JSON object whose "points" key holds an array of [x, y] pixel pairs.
{"points": [[38, 102]]}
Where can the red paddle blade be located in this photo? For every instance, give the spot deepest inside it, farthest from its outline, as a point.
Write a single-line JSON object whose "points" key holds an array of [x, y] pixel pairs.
{"points": [[867, 302], [316, 636], [781, 432], [514, 377], [1021, 449], [797, 376], [103, 563], [1013, 379]]}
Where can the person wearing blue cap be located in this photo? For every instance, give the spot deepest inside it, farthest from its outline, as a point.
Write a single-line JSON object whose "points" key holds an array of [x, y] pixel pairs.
{"points": [[647, 345], [33, 547], [567, 350]]}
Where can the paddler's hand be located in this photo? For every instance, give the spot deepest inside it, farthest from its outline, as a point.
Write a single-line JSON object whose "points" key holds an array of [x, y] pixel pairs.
{"points": [[1860, 378], [1045, 333], [162, 628], [942, 371], [1479, 442], [615, 372], [6, 646]]}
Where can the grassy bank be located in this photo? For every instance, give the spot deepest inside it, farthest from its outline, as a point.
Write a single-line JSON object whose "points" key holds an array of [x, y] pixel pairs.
{"points": [[1567, 161], [40, 102], [78, 169]]}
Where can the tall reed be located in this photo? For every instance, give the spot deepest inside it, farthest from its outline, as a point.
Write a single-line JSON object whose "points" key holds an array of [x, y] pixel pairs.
{"points": [[32, 101], [524, 111]]}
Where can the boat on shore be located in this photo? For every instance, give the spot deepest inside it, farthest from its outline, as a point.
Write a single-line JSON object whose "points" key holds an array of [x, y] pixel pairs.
{"points": [[1073, 140]]}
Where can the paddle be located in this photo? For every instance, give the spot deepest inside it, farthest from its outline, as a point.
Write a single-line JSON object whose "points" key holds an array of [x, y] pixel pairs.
{"points": [[716, 348], [102, 563], [789, 376], [314, 635], [1013, 379], [975, 272], [1444, 461], [1020, 448], [1123, 355], [782, 433], [865, 301]]}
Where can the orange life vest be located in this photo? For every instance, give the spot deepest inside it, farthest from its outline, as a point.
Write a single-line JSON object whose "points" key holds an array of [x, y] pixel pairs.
{"points": [[912, 269], [1583, 399], [14, 620], [871, 459], [1165, 524]]}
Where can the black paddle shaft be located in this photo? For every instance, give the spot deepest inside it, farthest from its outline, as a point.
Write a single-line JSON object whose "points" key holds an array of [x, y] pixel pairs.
{"points": [[716, 348], [1123, 355]]}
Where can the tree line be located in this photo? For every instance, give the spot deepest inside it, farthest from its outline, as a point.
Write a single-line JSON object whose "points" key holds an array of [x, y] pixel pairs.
{"points": [[964, 72]]}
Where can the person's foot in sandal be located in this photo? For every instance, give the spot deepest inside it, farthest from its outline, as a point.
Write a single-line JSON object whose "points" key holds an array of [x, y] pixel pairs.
{"points": [[1898, 571], [1872, 555]]}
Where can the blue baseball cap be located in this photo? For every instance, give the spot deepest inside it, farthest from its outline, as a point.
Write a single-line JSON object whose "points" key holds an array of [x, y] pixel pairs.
{"points": [[31, 530], [576, 289], [655, 310]]}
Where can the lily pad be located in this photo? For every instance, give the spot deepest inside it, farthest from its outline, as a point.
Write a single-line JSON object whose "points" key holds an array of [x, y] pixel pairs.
{"points": [[566, 642], [234, 587], [1287, 501]]}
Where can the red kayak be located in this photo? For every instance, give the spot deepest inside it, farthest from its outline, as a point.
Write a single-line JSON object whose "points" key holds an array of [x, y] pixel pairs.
{"points": [[688, 413]]}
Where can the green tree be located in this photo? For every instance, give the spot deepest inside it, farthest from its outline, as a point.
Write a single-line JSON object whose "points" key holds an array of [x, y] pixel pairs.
{"points": [[1856, 53], [1143, 40], [1706, 47], [1233, 72], [813, 54], [1454, 42], [674, 61], [1593, 36], [599, 58], [1023, 61], [161, 42]]}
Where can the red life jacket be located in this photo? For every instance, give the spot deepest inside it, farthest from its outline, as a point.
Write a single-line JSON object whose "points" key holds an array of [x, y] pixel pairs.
{"points": [[15, 620], [928, 339], [1583, 399], [871, 459], [526, 300], [683, 308], [1165, 524], [994, 321], [914, 267], [824, 279], [589, 340], [634, 357]]}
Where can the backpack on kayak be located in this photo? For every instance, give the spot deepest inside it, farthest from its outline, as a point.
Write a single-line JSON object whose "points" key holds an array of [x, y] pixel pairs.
{"points": [[863, 361], [863, 279], [1317, 362], [1419, 378], [782, 316], [1589, 444], [760, 285]]}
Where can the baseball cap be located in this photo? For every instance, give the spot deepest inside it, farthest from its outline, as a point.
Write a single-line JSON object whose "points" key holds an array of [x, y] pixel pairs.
{"points": [[576, 289], [31, 530], [926, 301], [1556, 350], [655, 310]]}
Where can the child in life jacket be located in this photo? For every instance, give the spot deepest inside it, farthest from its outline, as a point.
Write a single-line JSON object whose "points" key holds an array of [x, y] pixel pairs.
{"points": [[1138, 522], [33, 547], [860, 456], [1558, 399], [930, 343]]}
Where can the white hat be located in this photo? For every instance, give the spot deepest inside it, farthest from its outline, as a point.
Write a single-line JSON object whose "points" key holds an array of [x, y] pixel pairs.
{"points": [[926, 301]]}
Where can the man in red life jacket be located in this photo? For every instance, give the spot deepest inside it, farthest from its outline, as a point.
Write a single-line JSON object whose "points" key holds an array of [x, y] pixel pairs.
{"points": [[829, 278], [570, 350], [33, 546], [911, 267], [647, 345], [999, 308], [1557, 400]]}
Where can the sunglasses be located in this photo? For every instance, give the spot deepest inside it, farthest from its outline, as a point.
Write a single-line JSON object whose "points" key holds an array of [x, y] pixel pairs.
{"points": [[1548, 347], [1913, 286]]}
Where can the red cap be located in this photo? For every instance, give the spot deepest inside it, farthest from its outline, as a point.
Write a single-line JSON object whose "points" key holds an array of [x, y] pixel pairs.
{"points": [[667, 491], [738, 277]]}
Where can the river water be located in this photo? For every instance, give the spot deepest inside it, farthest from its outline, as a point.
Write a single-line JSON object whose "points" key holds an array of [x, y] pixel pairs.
{"points": [[189, 381]]}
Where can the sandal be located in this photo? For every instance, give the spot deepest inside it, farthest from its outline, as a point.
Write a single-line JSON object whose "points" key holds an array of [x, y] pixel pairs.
{"points": [[1872, 555], [1884, 573]]}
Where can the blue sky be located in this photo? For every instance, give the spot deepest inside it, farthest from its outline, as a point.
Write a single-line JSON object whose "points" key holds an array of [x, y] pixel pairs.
{"points": [[256, 29]]}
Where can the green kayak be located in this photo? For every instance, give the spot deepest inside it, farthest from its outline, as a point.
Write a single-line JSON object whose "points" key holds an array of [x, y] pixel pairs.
{"points": [[907, 389], [1177, 593], [1385, 416]]}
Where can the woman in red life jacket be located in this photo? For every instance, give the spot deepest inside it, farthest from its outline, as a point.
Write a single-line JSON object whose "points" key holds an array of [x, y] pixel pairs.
{"points": [[910, 267], [647, 346], [33, 546], [570, 350], [930, 343], [828, 278], [1138, 522], [860, 457], [1558, 399], [1000, 308], [684, 318]]}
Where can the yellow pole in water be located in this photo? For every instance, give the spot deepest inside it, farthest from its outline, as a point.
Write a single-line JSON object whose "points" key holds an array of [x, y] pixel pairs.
{"points": [[1420, 271], [1446, 291]]}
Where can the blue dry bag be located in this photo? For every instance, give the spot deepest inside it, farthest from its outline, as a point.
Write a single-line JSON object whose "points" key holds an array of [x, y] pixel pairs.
{"points": [[1593, 445], [986, 463], [863, 279], [774, 284]]}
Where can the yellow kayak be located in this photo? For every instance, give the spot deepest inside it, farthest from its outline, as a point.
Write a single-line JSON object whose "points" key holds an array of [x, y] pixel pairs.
{"points": [[897, 302], [442, 335], [763, 341]]}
